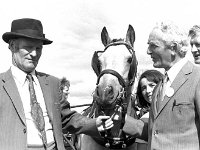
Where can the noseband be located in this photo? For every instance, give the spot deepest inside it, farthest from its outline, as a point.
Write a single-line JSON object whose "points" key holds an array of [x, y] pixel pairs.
{"points": [[119, 101], [113, 72]]}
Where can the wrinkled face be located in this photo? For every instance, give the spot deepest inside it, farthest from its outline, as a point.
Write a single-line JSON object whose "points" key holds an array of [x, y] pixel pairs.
{"points": [[160, 54], [195, 44], [117, 58], [147, 89], [26, 53]]}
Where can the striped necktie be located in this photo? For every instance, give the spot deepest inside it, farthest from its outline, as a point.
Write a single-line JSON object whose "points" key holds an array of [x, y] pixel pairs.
{"points": [[36, 111], [162, 91]]}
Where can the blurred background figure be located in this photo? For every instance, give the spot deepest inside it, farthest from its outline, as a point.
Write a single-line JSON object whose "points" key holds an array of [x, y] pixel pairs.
{"points": [[194, 34], [64, 87], [147, 81]]}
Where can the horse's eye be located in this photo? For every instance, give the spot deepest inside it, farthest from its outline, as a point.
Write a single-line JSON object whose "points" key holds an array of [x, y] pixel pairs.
{"points": [[129, 60]]}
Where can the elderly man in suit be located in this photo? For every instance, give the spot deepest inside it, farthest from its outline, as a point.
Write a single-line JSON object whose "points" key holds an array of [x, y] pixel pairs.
{"points": [[30, 113], [174, 121], [194, 34]]}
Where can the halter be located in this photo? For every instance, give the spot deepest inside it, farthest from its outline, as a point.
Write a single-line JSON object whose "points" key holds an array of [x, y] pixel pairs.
{"points": [[122, 140]]}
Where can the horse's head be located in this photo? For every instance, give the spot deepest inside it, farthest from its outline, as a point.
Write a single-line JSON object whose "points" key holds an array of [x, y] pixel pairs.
{"points": [[116, 67]]}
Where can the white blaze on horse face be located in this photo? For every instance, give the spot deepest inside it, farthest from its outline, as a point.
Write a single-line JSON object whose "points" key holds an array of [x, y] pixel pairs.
{"points": [[115, 58]]}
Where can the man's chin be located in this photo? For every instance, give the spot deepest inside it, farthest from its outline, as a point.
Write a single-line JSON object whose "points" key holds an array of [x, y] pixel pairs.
{"points": [[29, 69], [157, 65], [197, 61]]}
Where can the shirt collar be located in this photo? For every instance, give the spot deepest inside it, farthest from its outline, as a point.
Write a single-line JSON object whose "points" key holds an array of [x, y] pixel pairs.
{"points": [[174, 70], [20, 75]]}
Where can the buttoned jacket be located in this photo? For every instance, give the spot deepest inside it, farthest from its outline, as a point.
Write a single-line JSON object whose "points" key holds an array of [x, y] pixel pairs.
{"points": [[176, 125]]}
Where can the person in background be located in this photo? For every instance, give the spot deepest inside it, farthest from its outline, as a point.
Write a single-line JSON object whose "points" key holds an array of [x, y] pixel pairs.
{"points": [[64, 87], [194, 34], [31, 115], [174, 117], [146, 84], [147, 81]]}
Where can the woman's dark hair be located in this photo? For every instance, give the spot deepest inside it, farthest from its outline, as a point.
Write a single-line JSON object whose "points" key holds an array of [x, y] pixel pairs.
{"points": [[152, 76]]}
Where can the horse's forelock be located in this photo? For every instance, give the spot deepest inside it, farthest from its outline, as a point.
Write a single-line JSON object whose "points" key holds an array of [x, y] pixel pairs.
{"points": [[117, 40]]}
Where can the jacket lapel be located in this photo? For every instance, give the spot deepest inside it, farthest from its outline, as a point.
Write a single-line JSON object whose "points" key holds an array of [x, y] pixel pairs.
{"points": [[155, 97], [180, 79], [44, 83], [11, 89]]}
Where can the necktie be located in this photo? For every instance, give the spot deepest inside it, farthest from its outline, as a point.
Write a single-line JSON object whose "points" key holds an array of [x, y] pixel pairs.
{"points": [[162, 90], [36, 111]]}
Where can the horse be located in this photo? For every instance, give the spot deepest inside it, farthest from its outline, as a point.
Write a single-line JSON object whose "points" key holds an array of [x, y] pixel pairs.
{"points": [[116, 68]]}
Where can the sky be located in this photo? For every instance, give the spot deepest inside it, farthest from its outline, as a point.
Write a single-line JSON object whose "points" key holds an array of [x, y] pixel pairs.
{"points": [[75, 28]]}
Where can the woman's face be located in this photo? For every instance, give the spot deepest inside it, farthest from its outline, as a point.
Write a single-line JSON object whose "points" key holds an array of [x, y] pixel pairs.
{"points": [[147, 89], [66, 90]]}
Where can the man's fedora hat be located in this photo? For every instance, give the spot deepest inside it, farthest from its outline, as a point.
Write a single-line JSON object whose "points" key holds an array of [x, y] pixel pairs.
{"points": [[28, 28]]}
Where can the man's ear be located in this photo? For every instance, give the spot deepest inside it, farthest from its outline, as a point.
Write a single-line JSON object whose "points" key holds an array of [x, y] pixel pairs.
{"points": [[12, 45], [174, 48]]}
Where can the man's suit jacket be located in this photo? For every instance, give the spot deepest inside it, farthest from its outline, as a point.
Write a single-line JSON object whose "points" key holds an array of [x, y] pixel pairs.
{"points": [[13, 131], [176, 126]]}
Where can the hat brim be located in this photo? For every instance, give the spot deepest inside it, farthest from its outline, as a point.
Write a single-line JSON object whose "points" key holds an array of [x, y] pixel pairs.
{"points": [[12, 35]]}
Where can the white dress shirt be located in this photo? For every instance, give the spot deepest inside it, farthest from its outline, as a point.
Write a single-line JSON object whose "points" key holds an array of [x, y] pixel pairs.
{"points": [[33, 135], [173, 72]]}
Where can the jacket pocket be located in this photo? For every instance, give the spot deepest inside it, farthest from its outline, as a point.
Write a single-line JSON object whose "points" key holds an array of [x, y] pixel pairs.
{"points": [[182, 112], [181, 107]]}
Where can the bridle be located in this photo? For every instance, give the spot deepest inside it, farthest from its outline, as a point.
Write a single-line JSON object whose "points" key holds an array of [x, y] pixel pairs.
{"points": [[125, 85], [120, 104]]}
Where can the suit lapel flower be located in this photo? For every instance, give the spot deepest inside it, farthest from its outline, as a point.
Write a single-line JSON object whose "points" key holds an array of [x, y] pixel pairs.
{"points": [[169, 92]]}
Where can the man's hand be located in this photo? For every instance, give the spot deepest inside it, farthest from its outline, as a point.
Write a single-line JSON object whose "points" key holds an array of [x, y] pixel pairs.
{"points": [[104, 123]]}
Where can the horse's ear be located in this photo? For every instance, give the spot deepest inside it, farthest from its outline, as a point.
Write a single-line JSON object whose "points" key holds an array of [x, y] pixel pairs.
{"points": [[130, 35], [95, 63], [105, 37]]}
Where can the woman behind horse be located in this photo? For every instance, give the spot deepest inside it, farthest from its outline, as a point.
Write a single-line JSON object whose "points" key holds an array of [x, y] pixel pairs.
{"points": [[146, 84]]}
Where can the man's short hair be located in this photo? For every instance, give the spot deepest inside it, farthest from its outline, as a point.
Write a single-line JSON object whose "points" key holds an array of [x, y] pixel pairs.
{"points": [[194, 30], [173, 34]]}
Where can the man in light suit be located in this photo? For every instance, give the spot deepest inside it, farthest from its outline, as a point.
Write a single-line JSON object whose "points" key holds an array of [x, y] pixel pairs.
{"points": [[21, 84], [174, 121]]}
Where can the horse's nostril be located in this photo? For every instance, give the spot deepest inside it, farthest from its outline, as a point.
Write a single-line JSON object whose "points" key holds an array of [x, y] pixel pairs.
{"points": [[108, 91]]}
